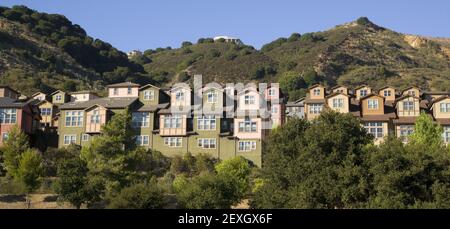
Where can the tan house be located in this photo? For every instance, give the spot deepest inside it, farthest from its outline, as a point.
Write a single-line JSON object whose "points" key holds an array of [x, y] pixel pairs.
{"points": [[340, 89], [441, 112], [315, 101], [374, 117], [413, 90], [362, 91], [338, 102], [6, 91], [388, 93], [408, 109]]}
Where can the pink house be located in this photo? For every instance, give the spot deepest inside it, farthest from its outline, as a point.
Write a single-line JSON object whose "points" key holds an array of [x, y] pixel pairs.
{"points": [[277, 106], [24, 114], [121, 90]]}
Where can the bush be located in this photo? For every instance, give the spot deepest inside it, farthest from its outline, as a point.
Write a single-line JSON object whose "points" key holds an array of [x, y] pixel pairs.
{"points": [[139, 196]]}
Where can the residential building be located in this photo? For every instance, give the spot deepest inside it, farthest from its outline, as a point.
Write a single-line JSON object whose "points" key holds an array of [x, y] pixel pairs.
{"points": [[315, 101]]}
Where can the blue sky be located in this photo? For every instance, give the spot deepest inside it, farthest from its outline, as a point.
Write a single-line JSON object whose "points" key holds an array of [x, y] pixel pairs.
{"points": [[143, 24]]}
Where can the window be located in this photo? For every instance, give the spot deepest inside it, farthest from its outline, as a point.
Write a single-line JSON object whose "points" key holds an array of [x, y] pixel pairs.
{"points": [[70, 139], [408, 105], [8, 116], [140, 119], [247, 145], [149, 95], [247, 126], [249, 100], [387, 93], [362, 93], [272, 91], [212, 97], [406, 131], [338, 103], [413, 93], [446, 134], [95, 117], [5, 136], [179, 96], [207, 143], [445, 107], [207, 122], [316, 92], [46, 111], [58, 98], [172, 121], [142, 140], [374, 128], [74, 118], [274, 110], [85, 137], [173, 141], [116, 91], [372, 104], [129, 90], [315, 108]]}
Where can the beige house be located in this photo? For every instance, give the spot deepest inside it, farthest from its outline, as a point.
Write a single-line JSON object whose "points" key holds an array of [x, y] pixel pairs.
{"points": [[315, 101], [362, 91], [340, 89], [388, 93], [339, 102], [413, 90]]}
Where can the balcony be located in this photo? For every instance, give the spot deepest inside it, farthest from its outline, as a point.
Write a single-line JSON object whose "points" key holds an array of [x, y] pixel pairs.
{"points": [[94, 123]]}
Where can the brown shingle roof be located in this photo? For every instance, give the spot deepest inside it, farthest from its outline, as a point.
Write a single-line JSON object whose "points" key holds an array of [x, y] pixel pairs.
{"points": [[443, 121], [124, 84], [109, 103], [405, 120]]}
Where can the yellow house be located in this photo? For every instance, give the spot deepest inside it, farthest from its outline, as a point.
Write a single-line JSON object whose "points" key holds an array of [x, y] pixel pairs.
{"points": [[413, 90], [387, 92], [315, 101], [48, 111], [362, 91], [339, 102]]}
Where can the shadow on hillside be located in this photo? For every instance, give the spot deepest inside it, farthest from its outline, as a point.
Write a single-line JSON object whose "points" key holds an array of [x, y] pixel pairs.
{"points": [[12, 198]]}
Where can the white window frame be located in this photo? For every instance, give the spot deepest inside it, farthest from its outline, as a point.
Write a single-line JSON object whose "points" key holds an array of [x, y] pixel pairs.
{"points": [[315, 108], [46, 111], [207, 143], [70, 139], [272, 91], [372, 104], [374, 128], [249, 100], [212, 97], [140, 119], [74, 118], [245, 146], [142, 140], [172, 121], [149, 95], [363, 92], [173, 142], [444, 107], [446, 134], [179, 96], [207, 122], [85, 137], [58, 97], [95, 117], [8, 115], [248, 126], [338, 103], [408, 105]]}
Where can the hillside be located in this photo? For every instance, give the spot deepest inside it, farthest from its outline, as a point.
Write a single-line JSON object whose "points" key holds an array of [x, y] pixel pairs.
{"points": [[40, 51]]}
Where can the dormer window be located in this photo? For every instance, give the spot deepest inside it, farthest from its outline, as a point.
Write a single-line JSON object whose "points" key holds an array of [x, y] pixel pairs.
{"points": [[212, 97], [129, 90], [408, 105], [179, 96], [387, 93], [249, 100], [116, 91], [363, 93], [149, 95], [316, 92], [372, 104], [413, 93], [58, 97]]}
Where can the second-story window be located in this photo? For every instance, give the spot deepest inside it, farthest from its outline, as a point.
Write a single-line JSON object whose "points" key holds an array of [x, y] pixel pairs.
{"points": [[58, 97], [408, 105], [129, 90], [315, 108], [8, 116], [116, 91], [446, 134], [207, 122], [445, 107], [212, 97], [272, 92], [179, 96], [46, 111], [372, 104], [149, 95], [95, 116], [74, 118], [248, 126], [316, 92], [338, 103], [140, 119], [374, 128], [362, 93], [413, 93], [172, 121], [249, 100], [387, 93]]}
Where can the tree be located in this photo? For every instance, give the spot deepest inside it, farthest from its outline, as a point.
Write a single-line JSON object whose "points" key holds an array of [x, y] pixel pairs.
{"points": [[237, 172], [13, 147], [139, 196], [426, 132], [73, 184], [310, 76], [315, 165], [30, 171]]}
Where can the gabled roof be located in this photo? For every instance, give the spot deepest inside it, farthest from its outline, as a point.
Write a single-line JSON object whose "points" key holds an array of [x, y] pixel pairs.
{"points": [[406, 96], [336, 93], [411, 87], [338, 86], [370, 95], [6, 102], [439, 99], [83, 92], [181, 85], [246, 89], [8, 87], [110, 103], [379, 89], [124, 84], [361, 86], [315, 85], [148, 85], [37, 93], [57, 91], [95, 105]]}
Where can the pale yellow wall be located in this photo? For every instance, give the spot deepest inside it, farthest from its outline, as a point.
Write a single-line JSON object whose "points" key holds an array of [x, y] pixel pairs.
{"points": [[344, 109], [341, 89], [437, 109], [322, 93], [369, 90], [401, 111], [415, 90], [391, 97], [310, 116]]}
